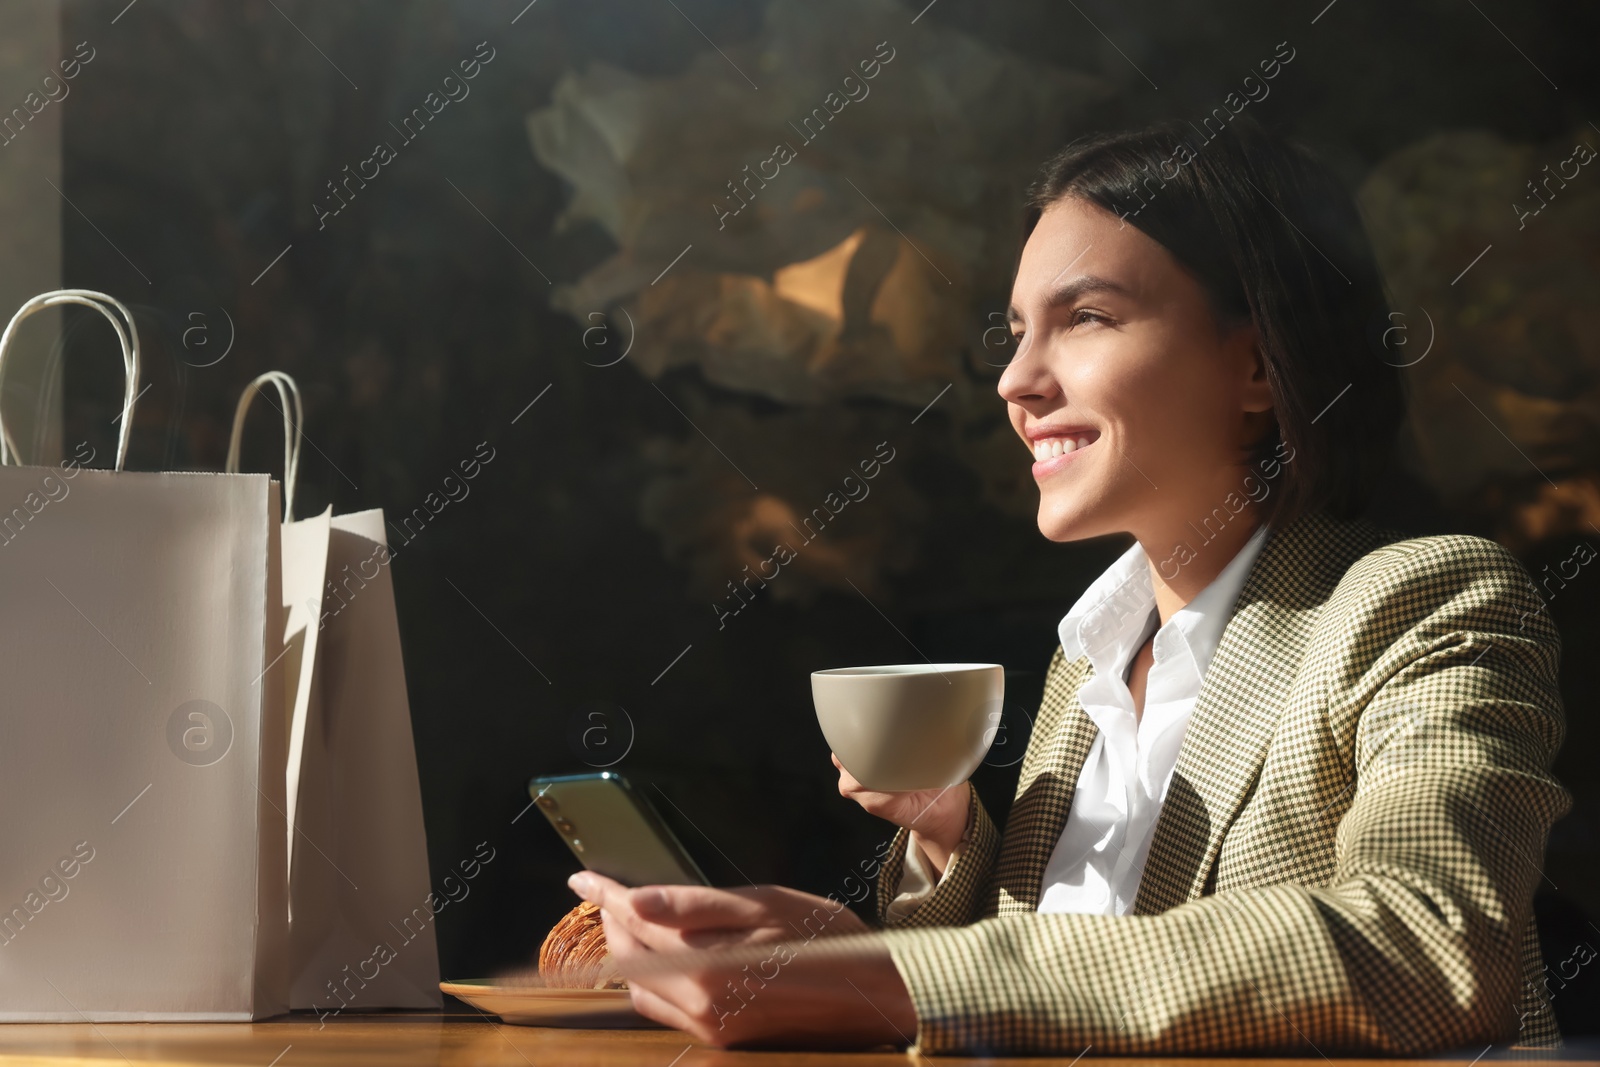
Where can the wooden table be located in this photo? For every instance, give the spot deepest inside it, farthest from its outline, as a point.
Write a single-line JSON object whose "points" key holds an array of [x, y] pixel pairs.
{"points": [[414, 1039]]}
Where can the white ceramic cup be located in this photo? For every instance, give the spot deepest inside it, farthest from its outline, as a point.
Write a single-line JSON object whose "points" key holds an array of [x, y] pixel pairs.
{"points": [[912, 726]]}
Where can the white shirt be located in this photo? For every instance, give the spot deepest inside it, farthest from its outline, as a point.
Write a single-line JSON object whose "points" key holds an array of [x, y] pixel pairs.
{"points": [[1100, 856]]}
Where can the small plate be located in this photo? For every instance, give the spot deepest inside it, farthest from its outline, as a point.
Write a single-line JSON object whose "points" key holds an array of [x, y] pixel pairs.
{"points": [[533, 1005]]}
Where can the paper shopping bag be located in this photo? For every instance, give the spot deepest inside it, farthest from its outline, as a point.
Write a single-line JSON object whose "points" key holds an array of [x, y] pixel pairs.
{"points": [[361, 933], [142, 753], [304, 568]]}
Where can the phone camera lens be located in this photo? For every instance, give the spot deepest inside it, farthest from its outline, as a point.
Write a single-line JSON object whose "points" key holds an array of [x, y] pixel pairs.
{"points": [[547, 803], [565, 826]]}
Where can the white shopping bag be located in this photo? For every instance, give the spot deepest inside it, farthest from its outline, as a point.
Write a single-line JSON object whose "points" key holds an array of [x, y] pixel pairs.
{"points": [[361, 931], [142, 872]]}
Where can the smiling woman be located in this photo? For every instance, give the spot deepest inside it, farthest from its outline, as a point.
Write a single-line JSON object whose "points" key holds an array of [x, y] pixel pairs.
{"points": [[1235, 317], [1290, 766]]}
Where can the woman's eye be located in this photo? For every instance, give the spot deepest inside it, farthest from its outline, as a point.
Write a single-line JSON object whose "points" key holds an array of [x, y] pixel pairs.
{"points": [[1080, 316]]}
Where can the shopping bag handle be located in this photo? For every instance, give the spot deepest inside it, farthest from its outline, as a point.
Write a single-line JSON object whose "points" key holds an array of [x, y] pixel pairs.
{"points": [[128, 339], [289, 393]]}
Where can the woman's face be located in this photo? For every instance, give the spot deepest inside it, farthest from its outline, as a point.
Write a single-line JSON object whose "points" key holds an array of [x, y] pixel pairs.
{"points": [[1117, 348]]}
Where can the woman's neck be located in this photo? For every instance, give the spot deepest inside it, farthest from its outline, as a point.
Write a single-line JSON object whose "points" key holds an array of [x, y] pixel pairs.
{"points": [[1184, 560]]}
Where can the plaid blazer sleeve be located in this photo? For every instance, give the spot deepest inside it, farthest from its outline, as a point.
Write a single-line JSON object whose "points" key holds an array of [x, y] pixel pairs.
{"points": [[958, 898], [1435, 669]]}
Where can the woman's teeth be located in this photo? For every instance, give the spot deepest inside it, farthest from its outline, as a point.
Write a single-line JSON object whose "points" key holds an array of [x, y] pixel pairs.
{"points": [[1051, 447]]}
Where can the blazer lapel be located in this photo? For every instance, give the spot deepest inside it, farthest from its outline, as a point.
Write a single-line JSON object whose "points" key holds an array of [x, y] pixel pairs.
{"points": [[1044, 797], [1244, 692]]}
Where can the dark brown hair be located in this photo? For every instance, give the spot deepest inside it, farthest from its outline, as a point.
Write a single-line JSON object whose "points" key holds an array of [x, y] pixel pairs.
{"points": [[1274, 238]]}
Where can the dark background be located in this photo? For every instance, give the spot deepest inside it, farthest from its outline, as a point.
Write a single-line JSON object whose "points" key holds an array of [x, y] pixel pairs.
{"points": [[420, 322]]}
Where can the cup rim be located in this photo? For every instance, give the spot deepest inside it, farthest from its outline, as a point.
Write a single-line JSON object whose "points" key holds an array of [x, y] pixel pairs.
{"points": [[900, 670]]}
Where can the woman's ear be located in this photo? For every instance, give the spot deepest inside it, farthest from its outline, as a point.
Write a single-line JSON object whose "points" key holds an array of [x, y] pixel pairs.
{"points": [[1255, 391], [1257, 411]]}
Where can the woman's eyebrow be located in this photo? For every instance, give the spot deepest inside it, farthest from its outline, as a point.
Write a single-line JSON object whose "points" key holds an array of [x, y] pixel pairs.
{"points": [[1082, 285]]}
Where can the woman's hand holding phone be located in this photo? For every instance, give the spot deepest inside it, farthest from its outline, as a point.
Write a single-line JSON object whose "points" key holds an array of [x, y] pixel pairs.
{"points": [[817, 1000], [936, 817]]}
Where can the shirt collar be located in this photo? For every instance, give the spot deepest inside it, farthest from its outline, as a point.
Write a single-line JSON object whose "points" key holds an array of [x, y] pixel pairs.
{"points": [[1203, 619], [1118, 601], [1117, 607]]}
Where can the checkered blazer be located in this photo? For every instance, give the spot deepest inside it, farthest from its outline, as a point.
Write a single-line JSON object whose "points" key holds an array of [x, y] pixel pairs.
{"points": [[1348, 849]]}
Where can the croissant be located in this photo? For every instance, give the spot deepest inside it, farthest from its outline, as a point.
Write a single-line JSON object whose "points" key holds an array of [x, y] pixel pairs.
{"points": [[574, 954]]}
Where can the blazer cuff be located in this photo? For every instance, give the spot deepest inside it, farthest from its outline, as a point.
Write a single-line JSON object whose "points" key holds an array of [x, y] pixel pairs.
{"points": [[916, 885], [917, 882], [905, 899]]}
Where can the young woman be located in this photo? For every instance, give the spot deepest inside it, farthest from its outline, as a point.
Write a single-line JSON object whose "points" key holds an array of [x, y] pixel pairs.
{"points": [[1289, 786]]}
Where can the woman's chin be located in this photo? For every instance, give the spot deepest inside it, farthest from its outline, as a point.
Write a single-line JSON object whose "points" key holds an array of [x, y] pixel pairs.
{"points": [[1064, 524]]}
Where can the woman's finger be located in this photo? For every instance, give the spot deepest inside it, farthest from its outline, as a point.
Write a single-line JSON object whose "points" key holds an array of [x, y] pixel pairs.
{"points": [[628, 931], [627, 934], [593, 887], [724, 938], [653, 1005], [696, 907]]}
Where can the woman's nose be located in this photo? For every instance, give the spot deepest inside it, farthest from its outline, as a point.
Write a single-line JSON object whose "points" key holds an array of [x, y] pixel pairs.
{"points": [[1026, 377]]}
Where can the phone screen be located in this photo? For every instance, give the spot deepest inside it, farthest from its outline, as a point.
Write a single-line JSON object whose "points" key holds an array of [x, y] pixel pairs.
{"points": [[613, 830]]}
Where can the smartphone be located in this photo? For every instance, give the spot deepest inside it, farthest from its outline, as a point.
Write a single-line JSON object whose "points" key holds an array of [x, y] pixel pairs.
{"points": [[613, 830]]}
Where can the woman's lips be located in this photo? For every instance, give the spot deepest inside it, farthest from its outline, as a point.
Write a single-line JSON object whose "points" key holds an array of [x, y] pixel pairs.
{"points": [[1045, 468]]}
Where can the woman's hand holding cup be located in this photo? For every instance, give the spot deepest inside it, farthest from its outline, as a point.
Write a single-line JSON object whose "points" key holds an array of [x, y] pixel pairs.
{"points": [[908, 729], [936, 817]]}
